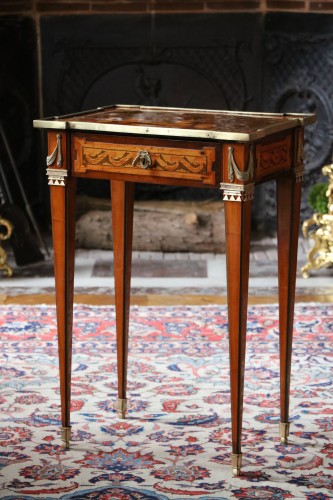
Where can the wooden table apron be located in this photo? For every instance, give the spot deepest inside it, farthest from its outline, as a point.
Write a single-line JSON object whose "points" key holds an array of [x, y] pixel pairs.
{"points": [[233, 166]]}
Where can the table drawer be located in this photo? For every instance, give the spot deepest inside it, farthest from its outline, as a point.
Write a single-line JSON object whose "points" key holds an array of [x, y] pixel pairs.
{"points": [[173, 160]]}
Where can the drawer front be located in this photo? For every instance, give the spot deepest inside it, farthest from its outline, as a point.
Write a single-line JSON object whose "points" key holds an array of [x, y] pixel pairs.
{"points": [[195, 162]]}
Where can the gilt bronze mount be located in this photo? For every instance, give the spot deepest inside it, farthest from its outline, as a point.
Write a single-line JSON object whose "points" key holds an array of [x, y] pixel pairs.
{"points": [[121, 407], [236, 463], [65, 436], [284, 432]]}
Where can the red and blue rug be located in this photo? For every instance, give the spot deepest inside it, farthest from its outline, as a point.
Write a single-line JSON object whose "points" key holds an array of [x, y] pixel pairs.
{"points": [[175, 442]]}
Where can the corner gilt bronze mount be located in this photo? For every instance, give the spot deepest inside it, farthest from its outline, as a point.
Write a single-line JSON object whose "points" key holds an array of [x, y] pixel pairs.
{"points": [[233, 169]]}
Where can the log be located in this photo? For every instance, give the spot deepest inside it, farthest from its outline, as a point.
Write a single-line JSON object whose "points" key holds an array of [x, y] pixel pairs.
{"points": [[159, 226]]}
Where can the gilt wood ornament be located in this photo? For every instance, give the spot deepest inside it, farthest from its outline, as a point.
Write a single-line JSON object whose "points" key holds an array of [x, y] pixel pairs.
{"points": [[319, 228]]}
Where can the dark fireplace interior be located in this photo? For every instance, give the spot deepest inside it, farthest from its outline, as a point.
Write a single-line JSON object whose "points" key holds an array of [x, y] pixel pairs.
{"points": [[240, 61]]}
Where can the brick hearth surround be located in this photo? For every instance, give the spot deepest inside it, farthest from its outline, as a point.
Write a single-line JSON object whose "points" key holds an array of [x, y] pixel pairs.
{"points": [[42, 7]]}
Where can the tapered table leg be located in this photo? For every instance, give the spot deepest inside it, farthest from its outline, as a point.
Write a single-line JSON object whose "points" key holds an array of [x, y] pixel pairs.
{"points": [[288, 215], [122, 196], [238, 227], [63, 230]]}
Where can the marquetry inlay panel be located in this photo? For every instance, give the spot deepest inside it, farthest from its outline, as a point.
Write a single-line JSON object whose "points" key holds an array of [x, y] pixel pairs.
{"points": [[273, 157], [188, 163]]}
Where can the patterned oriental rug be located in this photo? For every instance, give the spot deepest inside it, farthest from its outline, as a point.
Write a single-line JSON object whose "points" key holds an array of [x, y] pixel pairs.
{"points": [[175, 442]]}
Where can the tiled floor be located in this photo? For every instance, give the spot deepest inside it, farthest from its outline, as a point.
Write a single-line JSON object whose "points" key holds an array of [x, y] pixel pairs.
{"points": [[175, 273]]}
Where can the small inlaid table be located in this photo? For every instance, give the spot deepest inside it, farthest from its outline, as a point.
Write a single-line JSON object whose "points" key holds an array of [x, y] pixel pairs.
{"points": [[231, 151]]}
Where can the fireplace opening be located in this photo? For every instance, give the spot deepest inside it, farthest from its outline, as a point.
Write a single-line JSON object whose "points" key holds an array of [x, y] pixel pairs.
{"points": [[239, 61], [193, 61]]}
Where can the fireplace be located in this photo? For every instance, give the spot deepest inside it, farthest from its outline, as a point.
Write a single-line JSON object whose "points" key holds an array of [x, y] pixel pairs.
{"points": [[246, 60], [228, 61], [181, 61]]}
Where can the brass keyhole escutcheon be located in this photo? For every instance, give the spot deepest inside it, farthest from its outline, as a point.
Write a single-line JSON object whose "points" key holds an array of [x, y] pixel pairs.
{"points": [[143, 159]]}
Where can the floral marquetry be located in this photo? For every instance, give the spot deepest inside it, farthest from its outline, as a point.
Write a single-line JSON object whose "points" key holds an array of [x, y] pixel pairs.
{"points": [[273, 157]]}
